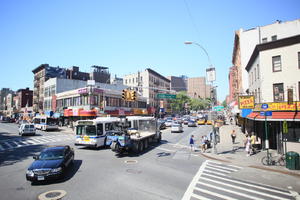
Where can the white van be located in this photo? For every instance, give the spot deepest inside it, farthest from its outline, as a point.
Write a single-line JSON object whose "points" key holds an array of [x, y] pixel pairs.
{"points": [[27, 129]]}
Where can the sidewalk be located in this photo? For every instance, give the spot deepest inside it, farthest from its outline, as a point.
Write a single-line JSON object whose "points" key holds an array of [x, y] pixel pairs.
{"points": [[236, 154]]}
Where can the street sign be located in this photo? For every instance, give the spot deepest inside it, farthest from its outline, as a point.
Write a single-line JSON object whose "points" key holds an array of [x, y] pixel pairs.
{"points": [[265, 113], [264, 106], [285, 128], [218, 108], [268, 113], [166, 96]]}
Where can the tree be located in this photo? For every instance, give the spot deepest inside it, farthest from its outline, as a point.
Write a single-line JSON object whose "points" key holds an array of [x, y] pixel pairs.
{"points": [[224, 103], [178, 104]]}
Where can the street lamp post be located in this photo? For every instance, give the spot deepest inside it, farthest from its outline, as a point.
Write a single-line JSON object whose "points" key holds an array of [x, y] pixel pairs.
{"points": [[211, 78]]}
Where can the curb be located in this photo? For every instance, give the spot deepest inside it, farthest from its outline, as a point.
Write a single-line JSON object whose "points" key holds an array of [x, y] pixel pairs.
{"points": [[254, 166]]}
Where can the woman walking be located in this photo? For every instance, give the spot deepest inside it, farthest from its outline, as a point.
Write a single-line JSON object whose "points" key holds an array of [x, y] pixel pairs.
{"points": [[233, 136]]}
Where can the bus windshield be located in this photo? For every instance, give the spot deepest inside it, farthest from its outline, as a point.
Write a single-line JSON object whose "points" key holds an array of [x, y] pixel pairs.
{"points": [[86, 130]]}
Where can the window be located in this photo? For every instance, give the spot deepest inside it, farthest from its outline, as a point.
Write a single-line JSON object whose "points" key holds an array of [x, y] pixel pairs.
{"points": [[298, 60], [252, 77], [254, 74], [264, 40], [276, 62], [274, 37], [99, 129], [125, 81], [278, 92]]}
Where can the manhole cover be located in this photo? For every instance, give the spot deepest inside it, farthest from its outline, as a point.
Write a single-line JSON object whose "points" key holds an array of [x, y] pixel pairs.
{"points": [[133, 171], [52, 195], [130, 161]]}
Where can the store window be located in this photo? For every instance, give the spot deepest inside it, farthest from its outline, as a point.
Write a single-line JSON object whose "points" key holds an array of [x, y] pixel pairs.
{"points": [[278, 92]]}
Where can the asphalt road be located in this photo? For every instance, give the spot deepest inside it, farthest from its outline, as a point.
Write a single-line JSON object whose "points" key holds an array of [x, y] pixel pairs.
{"points": [[165, 171], [162, 172]]}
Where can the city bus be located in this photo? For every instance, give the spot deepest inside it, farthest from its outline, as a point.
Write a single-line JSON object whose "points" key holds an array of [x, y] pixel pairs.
{"points": [[93, 132], [45, 123]]}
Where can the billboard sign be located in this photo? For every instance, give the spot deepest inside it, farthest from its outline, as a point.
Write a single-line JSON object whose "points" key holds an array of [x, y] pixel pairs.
{"points": [[211, 74], [246, 102]]}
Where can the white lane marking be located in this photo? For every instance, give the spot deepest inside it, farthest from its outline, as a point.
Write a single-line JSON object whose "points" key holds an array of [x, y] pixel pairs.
{"points": [[35, 141], [213, 168], [215, 194], [9, 146], [247, 184], [164, 149], [222, 167], [193, 183], [18, 144], [236, 187], [214, 162], [206, 170], [200, 197]]}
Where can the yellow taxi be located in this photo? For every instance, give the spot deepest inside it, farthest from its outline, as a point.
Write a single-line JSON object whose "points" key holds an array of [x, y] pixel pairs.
{"points": [[208, 122], [201, 122]]}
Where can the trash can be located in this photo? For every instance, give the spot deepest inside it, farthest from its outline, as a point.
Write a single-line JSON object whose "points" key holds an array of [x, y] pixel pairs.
{"points": [[292, 160]]}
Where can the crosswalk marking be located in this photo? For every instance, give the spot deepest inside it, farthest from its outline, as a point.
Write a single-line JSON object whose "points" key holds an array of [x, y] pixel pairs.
{"points": [[212, 181], [214, 194], [7, 144], [245, 184], [21, 142]]}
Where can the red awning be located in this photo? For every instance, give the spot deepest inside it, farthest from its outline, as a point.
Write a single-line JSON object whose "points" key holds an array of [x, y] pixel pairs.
{"points": [[276, 116]]}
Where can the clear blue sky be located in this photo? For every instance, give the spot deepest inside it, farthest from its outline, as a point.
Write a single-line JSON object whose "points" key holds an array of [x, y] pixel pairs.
{"points": [[128, 36]]}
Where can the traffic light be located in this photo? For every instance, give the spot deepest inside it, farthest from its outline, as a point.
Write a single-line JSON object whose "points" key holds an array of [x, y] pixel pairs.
{"points": [[124, 95], [133, 95]]}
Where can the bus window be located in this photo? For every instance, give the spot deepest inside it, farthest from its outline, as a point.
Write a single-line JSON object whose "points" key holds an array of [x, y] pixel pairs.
{"points": [[109, 127], [99, 129], [79, 130]]}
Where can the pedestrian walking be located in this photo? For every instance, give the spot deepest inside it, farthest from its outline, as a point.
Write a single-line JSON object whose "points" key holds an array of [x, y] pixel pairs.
{"points": [[233, 136], [248, 144], [203, 144], [192, 143]]}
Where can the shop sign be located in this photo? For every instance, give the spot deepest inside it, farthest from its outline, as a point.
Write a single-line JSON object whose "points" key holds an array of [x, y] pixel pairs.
{"points": [[246, 102], [82, 91], [280, 106]]}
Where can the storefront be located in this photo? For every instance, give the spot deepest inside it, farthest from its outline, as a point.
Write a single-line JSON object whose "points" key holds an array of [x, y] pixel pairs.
{"points": [[282, 124]]}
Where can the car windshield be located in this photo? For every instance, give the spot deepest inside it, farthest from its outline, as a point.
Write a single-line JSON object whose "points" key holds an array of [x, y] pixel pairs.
{"points": [[29, 126], [86, 130], [175, 125], [52, 154]]}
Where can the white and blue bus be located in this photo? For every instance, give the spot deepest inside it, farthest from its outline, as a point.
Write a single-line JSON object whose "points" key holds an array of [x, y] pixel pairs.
{"points": [[45, 123], [93, 132]]}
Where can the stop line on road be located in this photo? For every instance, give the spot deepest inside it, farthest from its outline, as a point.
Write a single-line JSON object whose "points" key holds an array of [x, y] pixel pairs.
{"points": [[22, 142], [212, 181]]}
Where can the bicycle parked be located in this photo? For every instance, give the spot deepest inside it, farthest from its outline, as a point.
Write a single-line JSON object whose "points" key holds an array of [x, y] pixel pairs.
{"points": [[273, 160]]}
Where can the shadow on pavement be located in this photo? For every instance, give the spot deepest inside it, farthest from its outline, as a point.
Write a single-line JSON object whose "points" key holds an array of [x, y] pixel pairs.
{"points": [[12, 156], [8, 136], [71, 171], [234, 150]]}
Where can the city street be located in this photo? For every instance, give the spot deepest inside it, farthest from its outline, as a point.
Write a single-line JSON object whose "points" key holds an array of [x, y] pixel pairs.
{"points": [[165, 171]]}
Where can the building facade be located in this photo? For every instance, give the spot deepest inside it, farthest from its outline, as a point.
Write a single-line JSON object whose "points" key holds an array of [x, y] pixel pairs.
{"points": [[246, 40], [273, 70], [44, 72], [148, 84], [3, 93], [94, 101], [178, 83], [197, 88]]}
